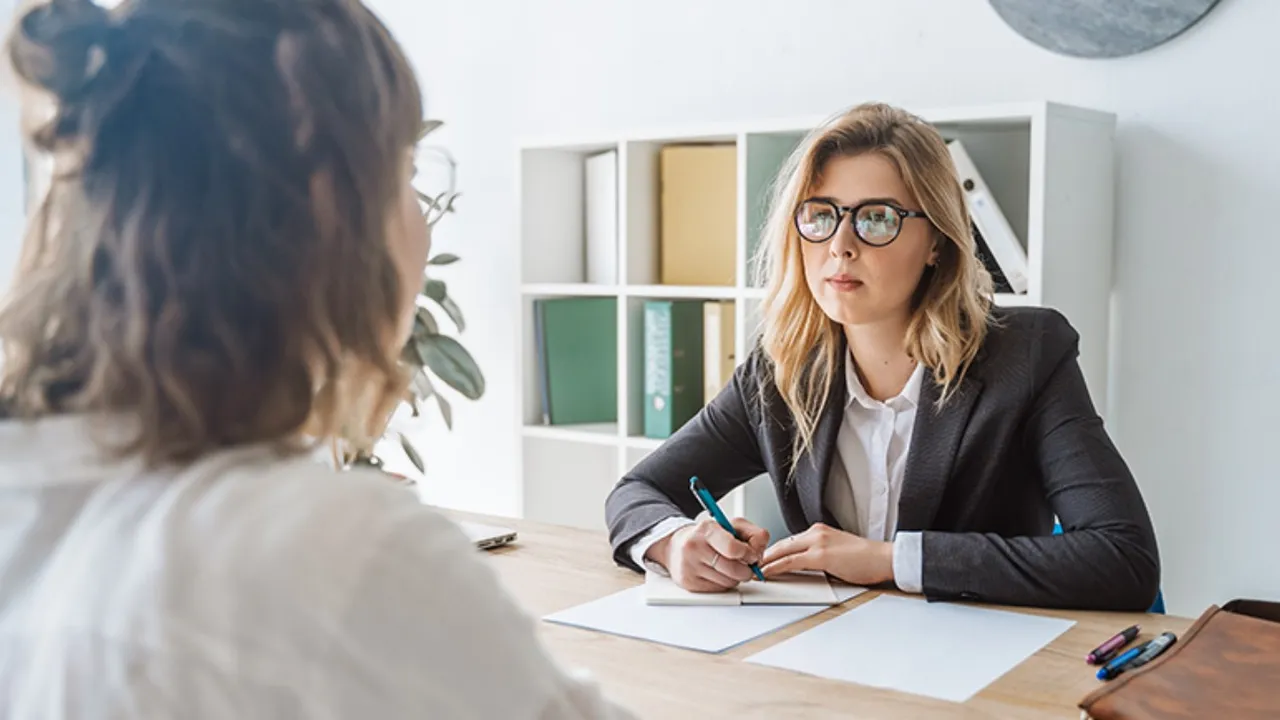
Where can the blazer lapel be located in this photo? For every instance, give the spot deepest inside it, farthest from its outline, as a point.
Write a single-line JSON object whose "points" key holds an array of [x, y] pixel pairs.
{"points": [[812, 470], [935, 440]]}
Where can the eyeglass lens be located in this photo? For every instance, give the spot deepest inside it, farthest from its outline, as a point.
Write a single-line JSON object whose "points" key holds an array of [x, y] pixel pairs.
{"points": [[876, 224]]}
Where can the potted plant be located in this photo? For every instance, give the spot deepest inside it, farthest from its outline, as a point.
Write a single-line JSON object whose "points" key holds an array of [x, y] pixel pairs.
{"points": [[431, 356]]}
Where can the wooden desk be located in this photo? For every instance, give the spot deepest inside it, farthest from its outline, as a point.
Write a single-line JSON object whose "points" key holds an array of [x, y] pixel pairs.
{"points": [[551, 568]]}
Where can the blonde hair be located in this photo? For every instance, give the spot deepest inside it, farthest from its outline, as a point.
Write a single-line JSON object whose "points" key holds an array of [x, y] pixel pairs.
{"points": [[951, 308], [211, 261]]}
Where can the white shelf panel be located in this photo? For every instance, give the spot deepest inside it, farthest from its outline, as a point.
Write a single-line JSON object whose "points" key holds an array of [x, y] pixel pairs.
{"points": [[643, 443], [567, 484], [594, 434], [692, 292], [569, 289], [976, 114]]}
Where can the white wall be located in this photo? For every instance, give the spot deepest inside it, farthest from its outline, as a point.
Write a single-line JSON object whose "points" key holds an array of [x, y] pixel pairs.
{"points": [[1196, 400], [12, 193]]}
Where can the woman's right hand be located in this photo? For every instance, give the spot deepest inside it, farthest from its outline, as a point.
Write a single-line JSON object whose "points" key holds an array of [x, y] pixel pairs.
{"points": [[703, 557]]}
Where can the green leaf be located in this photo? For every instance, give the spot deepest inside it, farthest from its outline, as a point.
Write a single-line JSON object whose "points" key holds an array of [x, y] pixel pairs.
{"points": [[454, 312], [442, 203], [435, 289], [444, 259], [446, 410], [428, 127], [414, 457], [453, 364], [422, 387], [424, 323], [409, 353]]}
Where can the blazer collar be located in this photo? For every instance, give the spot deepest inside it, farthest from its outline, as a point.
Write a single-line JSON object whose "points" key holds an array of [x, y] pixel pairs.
{"points": [[813, 469], [935, 440]]}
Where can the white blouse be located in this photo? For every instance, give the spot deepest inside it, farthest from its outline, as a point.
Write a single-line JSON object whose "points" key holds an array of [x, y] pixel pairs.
{"points": [[249, 586]]}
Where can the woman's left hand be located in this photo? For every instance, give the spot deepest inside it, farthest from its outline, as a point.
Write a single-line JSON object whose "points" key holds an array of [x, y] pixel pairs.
{"points": [[853, 559]]}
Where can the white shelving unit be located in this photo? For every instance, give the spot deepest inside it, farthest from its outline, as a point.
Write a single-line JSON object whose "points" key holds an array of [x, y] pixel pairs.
{"points": [[1050, 166]]}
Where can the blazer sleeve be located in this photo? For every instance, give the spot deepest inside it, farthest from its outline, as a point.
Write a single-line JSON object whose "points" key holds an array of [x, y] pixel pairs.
{"points": [[720, 445], [1106, 557]]}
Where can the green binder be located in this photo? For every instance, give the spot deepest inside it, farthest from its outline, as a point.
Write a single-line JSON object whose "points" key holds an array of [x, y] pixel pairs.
{"points": [[672, 365], [577, 341]]}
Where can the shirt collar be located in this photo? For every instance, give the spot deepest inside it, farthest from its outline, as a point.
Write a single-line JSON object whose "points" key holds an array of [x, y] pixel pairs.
{"points": [[909, 397]]}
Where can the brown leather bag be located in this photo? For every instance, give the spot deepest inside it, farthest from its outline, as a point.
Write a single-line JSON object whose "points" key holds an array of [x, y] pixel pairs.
{"points": [[1226, 666]]}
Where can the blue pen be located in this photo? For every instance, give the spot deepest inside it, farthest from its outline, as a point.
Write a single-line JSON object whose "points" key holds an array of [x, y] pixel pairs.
{"points": [[1152, 650], [1116, 666], [709, 504]]}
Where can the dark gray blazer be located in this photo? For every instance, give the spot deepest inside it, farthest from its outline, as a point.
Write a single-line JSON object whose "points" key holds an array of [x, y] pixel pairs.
{"points": [[1018, 442]]}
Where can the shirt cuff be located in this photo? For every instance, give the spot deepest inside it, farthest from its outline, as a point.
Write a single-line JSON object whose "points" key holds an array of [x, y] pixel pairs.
{"points": [[908, 561], [642, 544]]}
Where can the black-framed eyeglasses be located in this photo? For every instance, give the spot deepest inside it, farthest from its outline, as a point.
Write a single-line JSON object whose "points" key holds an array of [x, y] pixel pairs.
{"points": [[875, 222]]}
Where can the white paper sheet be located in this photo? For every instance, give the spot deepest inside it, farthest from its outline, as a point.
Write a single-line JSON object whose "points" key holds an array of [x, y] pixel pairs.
{"points": [[939, 650], [705, 628], [794, 589]]}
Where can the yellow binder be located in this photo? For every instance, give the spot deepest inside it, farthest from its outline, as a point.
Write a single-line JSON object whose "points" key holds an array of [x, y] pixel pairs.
{"points": [[699, 214]]}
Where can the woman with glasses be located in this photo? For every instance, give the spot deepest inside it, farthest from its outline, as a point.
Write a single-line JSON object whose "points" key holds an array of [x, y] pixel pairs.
{"points": [[219, 279], [915, 434]]}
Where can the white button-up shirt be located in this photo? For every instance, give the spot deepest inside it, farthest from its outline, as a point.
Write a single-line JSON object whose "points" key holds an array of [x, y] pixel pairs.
{"points": [[245, 585], [865, 480]]}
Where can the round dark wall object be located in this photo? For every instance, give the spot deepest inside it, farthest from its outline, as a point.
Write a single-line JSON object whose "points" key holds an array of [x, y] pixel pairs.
{"points": [[1101, 28]]}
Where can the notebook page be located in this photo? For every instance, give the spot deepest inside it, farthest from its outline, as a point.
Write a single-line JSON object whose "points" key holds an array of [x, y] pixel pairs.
{"points": [[662, 590], [789, 590]]}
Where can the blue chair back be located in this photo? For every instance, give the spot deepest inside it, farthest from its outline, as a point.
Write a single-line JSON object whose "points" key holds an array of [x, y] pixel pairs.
{"points": [[1156, 607]]}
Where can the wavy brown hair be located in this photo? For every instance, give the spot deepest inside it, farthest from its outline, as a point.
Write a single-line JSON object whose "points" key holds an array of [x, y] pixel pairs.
{"points": [[211, 260], [951, 306]]}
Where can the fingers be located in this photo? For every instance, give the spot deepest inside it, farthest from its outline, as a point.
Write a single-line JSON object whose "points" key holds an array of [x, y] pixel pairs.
{"points": [[807, 560], [738, 572], [786, 547], [715, 577], [817, 536], [708, 559], [699, 567], [724, 544], [755, 536]]}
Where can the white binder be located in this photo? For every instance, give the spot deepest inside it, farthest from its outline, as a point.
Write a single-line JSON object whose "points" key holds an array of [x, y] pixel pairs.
{"points": [[601, 246], [991, 222]]}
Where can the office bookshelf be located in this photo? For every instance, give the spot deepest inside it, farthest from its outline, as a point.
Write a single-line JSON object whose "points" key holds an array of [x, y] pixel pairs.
{"points": [[1050, 167]]}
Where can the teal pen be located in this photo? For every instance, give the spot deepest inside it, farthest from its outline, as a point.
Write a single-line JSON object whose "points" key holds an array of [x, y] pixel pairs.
{"points": [[708, 503]]}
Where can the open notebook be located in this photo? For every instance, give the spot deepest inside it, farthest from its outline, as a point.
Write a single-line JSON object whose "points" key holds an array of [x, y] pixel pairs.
{"points": [[793, 589]]}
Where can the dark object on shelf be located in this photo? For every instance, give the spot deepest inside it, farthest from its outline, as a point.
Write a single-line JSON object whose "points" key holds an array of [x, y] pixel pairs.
{"points": [[989, 261]]}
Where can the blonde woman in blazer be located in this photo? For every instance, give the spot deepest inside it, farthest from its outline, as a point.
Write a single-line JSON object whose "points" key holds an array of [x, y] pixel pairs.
{"points": [[914, 433]]}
